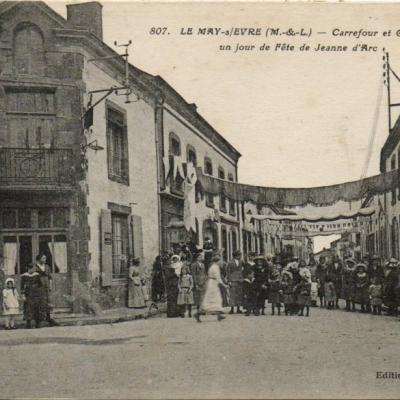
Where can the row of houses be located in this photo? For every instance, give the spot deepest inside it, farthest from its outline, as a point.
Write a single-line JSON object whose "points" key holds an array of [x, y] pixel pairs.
{"points": [[92, 175]]}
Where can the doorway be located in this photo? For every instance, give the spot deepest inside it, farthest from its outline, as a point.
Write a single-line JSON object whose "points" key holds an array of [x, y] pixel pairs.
{"points": [[21, 249]]}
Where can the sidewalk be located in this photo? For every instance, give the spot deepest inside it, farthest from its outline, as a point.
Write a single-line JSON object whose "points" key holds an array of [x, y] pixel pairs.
{"points": [[110, 316]]}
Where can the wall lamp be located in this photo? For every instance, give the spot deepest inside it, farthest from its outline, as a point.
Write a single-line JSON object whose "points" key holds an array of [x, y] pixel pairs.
{"points": [[93, 145]]}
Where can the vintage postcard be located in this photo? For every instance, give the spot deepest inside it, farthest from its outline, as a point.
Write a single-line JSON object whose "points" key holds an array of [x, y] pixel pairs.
{"points": [[199, 200]]}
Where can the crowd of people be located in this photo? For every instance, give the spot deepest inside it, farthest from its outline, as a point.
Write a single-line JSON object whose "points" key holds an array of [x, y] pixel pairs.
{"points": [[246, 284]]}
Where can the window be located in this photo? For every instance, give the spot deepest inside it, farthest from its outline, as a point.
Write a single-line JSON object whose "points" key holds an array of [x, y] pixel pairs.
{"points": [[392, 167], [208, 167], [224, 240], [120, 241], [31, 118], [210, 200], [234, 241], [174, 145], [175, 150], [41, 218], [191, 155], [29, 57], [222, 197], [117, 146], [398, 166], [232, 208]]}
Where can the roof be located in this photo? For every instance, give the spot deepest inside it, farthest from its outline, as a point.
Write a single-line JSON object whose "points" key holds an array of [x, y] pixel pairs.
{"points": [[156, 84], [391, 142]]}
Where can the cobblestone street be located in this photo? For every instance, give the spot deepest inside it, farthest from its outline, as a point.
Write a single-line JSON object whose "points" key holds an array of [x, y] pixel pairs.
{"points": [[329, 354]]}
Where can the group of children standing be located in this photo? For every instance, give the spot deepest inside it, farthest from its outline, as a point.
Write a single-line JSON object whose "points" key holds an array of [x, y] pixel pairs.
{"points": [[281, 289]]}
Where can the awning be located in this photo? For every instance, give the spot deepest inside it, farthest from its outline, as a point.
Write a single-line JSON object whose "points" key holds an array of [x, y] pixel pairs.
{"points": [[312, 217], [294, 197]]}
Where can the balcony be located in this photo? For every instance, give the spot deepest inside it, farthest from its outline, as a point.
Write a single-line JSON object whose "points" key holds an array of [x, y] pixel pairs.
{"points": [[26, 167]]}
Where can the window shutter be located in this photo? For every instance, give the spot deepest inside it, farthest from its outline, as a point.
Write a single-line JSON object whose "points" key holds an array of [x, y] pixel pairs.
{"points": [[137, 236], [106, 248]]}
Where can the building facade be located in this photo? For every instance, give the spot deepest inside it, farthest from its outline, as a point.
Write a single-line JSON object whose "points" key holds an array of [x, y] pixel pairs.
{"points": [[92, 176]]}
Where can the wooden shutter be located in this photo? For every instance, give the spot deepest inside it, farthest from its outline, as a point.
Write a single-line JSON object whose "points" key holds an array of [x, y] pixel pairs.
{"points": [[106, 248], [137, 236]]}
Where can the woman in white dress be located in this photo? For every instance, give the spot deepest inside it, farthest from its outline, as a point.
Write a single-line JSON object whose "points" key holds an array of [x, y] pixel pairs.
{"points": [[212, 301]]}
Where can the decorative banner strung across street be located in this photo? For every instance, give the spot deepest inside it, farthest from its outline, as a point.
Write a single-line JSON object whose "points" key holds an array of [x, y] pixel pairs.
{"points": [[361, 212], [295, 197]]}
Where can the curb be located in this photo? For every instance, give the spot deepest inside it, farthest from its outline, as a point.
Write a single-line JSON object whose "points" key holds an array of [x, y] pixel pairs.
{"points": [[97, 320]]}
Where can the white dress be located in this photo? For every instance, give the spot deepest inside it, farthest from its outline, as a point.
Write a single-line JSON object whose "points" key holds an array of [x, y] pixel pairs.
{"points": [[10, 299], [212, 301]]}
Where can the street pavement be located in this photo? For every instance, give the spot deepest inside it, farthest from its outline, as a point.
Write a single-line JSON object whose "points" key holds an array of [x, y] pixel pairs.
{"points": [[331, 354]]}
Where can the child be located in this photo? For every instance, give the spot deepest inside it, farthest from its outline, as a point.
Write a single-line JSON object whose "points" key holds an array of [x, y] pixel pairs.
{"points": [[249, 297], [287, 291], [274, 292], [304, 295], [361, 286], [330, 292], [375, 294], [10, 303], [314, 293], [185, 296]]}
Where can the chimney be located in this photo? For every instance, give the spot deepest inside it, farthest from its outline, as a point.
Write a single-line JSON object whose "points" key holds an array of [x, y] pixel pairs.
{"points": [[87, 16]]}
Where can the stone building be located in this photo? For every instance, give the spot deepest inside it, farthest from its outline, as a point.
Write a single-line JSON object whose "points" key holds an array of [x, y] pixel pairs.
{"points": [[89, 175]]}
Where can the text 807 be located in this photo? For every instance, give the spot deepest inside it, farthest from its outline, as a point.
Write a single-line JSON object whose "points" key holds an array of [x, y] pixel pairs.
{"points": [[158, 31]]}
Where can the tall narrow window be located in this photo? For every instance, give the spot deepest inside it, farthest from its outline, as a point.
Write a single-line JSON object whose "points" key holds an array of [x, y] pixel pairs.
{"points": [[393, 167], [120, 245], [31, 118], [222, 197], [208, 167], [191, 155], [174, 145], [232, 208], [29, 56], [117, 146], [175, 150]]}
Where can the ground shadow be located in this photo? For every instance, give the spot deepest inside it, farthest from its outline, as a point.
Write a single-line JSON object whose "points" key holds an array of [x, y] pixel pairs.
{"points": [[68, 340]]}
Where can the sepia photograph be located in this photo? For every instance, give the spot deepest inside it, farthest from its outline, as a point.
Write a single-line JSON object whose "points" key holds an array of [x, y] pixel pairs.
{"points": [[199, 200]]}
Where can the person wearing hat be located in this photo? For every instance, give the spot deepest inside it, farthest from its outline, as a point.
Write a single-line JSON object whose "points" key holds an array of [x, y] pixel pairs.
{"points": [[171, 286], [199, 274], [212, 301], [157, 281], [10, 303], [348, 283], [321, 274], [234, 278], [260, 284], [287, 292], [390, 286], [135, 292], [375, 269], [208, 250], [275, 291], [361, 286], [335, 272]]}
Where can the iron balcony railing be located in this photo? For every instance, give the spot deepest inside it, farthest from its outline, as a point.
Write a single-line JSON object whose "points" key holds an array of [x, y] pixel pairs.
{"points": [[39, 166]]}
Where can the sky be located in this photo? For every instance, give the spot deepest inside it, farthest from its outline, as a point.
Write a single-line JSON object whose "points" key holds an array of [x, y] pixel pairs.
{"points": [[298, 119]]}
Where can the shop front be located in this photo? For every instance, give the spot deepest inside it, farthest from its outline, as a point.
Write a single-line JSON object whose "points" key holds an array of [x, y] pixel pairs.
{"points": [[27, 232]]}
